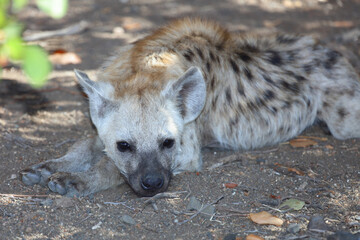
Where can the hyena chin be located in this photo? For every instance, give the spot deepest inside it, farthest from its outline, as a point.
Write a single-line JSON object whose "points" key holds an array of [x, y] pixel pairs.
{"points": [[193, 84]]}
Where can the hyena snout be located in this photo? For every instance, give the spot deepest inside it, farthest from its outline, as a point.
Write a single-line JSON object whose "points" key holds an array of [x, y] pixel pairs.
{"points": [[152, 181], [150, 178]]}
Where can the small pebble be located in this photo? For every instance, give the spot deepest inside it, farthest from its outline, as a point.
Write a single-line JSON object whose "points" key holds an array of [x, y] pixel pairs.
{"points": [[293, 228], [128, 220]]}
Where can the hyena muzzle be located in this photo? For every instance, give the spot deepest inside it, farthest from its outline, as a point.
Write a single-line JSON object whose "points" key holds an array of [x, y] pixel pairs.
{"points": [[192, 84]]}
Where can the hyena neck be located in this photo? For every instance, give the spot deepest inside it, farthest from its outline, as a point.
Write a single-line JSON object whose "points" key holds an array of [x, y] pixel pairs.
{"points": [[165, 55]]}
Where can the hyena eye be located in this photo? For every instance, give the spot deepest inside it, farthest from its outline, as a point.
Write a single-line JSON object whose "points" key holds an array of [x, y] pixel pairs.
{"points": [[168, 143], [123, 146]]}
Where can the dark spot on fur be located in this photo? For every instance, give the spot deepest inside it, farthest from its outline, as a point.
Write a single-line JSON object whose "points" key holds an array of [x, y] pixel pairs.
{"points": [[273, 110], [240, 88], [286, 105], [200, 53], [299, 78], [248, 73], [260, 102], [228, 95], [269, 95], [212, 57], [281, 129], [285, 39], [214, 102], [234, 121], [219, 47], [342, 112], [208, 66], [212, 83], [308, 102], [326, 105], [243, 56], [308, 68], [274, 58], [240, 107], [189, 55], [234, 66], [249, 48], [268, 79], [291, 56], [294, 87], [332, 58], [252, 106]]}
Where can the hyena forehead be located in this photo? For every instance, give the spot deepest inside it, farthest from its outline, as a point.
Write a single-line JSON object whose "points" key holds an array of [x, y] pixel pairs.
{"points": [[144, 119]]}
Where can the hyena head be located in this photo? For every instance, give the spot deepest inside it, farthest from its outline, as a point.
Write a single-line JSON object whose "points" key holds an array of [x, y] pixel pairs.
{"points": [[142, 132]]}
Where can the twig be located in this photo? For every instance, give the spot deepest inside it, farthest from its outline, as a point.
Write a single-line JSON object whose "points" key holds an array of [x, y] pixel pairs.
{"points": [[200, 210], [120, 203], [164, 195], [72, 29], [23, 196], [275, 209], [89, 216], [64, 142], [226, 160], [234, 210]]}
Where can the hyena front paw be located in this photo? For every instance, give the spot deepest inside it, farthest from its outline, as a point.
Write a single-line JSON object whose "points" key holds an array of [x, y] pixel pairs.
{"points": [[36, 174], [68, 184]]}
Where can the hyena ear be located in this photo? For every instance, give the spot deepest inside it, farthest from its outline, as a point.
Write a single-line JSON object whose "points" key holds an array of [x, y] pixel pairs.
{"points": [[99, 104], [190, 93]]}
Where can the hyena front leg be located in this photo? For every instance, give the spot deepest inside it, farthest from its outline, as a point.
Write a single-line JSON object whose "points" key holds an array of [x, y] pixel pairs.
{"points": [[101, 176], [189, 157], [81, 156]]}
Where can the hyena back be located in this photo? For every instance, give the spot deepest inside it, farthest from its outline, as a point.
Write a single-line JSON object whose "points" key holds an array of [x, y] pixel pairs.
{"points": [[192, 84]]}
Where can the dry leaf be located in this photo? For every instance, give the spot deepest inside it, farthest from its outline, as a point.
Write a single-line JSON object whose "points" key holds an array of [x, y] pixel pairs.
{"points": [[329, 147], [341, 24], [230, 185], [64, 58], [253, 237], [313, 137], [298, 172], [302, 142], [265, 218]]}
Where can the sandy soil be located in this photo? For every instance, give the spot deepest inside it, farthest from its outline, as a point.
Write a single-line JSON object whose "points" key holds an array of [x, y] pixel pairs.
{"points": [[36, 125]]}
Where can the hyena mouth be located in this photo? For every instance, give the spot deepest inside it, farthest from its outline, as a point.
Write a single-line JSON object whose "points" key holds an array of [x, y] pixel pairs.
{"points": [[150, 183]]}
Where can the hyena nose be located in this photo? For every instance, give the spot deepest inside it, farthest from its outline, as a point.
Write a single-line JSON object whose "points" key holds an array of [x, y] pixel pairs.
{"points": [[152, 181]]}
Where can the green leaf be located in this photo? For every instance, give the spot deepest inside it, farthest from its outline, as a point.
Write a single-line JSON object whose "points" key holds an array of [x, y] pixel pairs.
{"points": [[17, 5], [4, 4], [13, 30], [54, 8], [36, 65], [2, 18], [294, 204], [14, 48]]}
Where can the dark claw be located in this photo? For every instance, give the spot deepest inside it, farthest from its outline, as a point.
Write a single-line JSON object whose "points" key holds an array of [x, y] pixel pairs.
{"points": [[29, 177], [57, 188]]}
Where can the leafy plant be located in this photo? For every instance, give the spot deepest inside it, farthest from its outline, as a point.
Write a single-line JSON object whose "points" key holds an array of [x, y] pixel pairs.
{"points": [[33, 59]]}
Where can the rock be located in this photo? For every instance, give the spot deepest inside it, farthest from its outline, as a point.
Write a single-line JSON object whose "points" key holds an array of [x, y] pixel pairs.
{"points": [[341, 235], [317, 223], [230, 236], [209, 210], [47, 202], [194, 204], [128, 220], [293, 228], [64, 202]]}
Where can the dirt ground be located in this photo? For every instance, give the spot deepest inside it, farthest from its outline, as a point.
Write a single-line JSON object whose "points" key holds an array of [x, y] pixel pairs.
{"points": [[37, 125]]}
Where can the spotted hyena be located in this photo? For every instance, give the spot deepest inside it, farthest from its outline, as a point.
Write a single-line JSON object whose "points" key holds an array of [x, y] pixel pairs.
{"points": [[191, 84]]}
